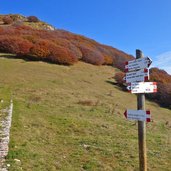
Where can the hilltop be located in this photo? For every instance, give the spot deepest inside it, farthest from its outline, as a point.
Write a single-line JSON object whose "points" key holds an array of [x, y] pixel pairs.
{"points": [[31, 21]]}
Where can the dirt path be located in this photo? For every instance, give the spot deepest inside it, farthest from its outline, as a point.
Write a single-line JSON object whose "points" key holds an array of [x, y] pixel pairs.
{"points": [[5, 124]]}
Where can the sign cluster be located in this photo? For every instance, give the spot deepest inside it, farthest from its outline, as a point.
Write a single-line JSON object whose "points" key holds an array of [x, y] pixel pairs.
{"points": [[137, 73]]}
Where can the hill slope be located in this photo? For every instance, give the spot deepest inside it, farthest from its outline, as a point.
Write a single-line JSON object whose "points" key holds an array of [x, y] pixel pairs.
{"points": [[56, 46], [71, 118]]}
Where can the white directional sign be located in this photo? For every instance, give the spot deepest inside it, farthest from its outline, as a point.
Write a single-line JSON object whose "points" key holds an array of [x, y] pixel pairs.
{"points": [[142, 87], [140, 115], [137, 64], [137, 76]]}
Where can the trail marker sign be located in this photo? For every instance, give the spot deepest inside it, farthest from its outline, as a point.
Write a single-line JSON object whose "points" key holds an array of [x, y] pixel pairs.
{"points": [[138, 115], [142, 87], [137, 76], [137, 64]]}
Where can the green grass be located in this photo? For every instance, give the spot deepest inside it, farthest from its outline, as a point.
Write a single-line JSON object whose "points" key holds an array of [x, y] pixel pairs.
{"points": [[71, 119]]}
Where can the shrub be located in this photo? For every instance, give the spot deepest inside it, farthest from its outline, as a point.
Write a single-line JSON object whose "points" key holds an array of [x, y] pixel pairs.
{"points": [[32, 19], [1, 30], [163, 95], [32, 39], [68, 45], [61, 55], [91, 56], [119, 78], [108, 60], [7, 20], [15, 45], [165, 98], [159, 75], [40, 49]]}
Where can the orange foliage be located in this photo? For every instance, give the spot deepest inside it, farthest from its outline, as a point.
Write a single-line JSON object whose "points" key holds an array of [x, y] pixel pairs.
{"points": [[41, 49], [60, 55], [108, 60], [163, 95], [91, 56], [15, 45], [119, 78], [79, 47], [159, 75]]}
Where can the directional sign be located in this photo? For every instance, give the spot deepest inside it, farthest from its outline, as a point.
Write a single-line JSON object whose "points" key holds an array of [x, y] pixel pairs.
{"points": [[140, 115], [142, 87], [137, 76], [137, 64]]}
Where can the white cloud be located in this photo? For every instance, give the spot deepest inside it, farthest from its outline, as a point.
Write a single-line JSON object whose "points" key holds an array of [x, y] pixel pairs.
{"points": [[163, 61]]}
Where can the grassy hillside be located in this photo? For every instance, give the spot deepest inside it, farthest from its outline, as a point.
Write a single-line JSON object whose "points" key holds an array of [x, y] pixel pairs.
{"points": [[70, 118]]}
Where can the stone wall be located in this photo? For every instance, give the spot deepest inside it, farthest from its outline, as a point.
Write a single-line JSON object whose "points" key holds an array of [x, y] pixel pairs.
{"points": [[5, 124]]}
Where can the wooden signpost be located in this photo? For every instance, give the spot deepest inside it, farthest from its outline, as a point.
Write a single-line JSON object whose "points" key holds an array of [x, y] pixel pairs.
{"points": [[137, 73]]}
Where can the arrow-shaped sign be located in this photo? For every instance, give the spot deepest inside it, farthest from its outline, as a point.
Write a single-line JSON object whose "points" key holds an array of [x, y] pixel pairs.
{"points": [[138, 115], [137, 76], [137, 64], [142, 87]]}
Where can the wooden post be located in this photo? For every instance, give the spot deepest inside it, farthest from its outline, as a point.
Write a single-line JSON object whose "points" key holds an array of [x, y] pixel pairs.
{"points": [[141, 127]]}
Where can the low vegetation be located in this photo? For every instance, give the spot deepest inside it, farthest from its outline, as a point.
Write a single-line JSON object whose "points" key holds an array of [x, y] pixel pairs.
{"points": [[163, 79], [56, 46]]}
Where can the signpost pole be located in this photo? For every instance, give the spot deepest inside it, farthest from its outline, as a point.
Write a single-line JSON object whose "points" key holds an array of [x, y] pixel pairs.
{"points": [[141, 127]]}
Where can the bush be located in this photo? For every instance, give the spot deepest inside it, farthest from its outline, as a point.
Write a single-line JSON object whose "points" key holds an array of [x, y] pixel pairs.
{"points": [[40, 49], [61, 55], [108, 60], [68, 45], [163, 95], [119, 78], [159, 75], [32, 19], [7, 20], [15, 45], [1, 30], [91, 56]]}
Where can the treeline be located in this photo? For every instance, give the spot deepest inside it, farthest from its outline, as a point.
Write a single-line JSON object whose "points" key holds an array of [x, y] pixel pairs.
{"points": [[59, 46], [163, 79]]}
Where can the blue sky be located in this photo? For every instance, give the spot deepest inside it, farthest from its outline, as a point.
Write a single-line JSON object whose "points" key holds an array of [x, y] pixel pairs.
{"points": [[124, 24]]}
